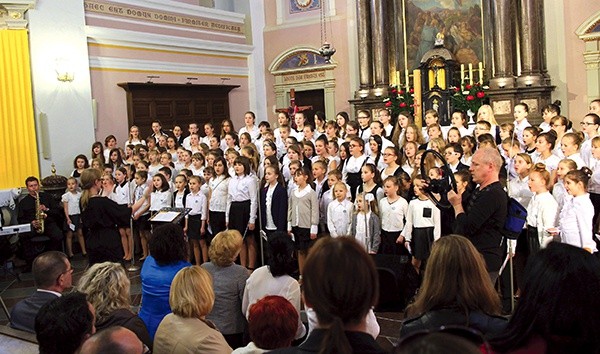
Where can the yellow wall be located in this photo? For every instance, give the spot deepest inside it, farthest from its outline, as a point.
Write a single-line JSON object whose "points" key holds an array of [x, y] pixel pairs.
{"points": [[18, 149]]}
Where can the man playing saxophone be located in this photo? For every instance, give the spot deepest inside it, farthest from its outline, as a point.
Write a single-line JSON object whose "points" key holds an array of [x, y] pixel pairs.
{"points": [[38, 209]]}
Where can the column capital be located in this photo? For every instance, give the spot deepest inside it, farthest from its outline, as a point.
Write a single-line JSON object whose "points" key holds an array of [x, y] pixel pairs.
{"points": [[12, 13]]}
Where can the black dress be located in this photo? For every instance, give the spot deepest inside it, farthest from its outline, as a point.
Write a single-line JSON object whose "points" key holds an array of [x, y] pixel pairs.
{"points": [[100, 219]]}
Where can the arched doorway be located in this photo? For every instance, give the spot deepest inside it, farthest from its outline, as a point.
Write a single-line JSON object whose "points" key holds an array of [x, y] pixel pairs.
{"points": [[304, 70]]}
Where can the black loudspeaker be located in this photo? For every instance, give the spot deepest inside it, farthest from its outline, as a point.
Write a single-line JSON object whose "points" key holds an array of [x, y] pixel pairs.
{"points": [[398, 282]]}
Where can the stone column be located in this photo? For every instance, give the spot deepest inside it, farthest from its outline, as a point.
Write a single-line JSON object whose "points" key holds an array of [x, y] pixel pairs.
{"points": [[531, 39], [504, 44], [379, 14], [365, 56]]}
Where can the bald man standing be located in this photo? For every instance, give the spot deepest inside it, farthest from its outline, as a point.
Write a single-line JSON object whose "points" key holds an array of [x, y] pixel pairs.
{"points": [[483, 220]]}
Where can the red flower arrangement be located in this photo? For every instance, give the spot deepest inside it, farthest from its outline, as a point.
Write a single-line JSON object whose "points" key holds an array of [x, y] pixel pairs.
{"points": [[470, 97], [400, 100]]}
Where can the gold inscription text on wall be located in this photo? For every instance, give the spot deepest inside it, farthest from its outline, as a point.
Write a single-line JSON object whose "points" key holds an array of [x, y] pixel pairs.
{"points": [[163, 17], [304, 77]]}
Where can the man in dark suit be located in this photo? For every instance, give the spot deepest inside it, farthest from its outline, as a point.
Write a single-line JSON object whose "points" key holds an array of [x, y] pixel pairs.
{"points": [[52, 274], [453, 153]]}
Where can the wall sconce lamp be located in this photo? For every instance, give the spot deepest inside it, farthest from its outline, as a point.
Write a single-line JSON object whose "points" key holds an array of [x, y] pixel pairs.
{"points": [[64, 70]]}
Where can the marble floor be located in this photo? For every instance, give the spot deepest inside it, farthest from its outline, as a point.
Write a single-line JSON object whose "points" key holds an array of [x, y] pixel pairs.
{"points": [[12, 291]]}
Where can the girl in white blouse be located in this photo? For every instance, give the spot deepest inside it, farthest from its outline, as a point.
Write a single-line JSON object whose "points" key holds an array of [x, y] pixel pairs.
{"points": [[558, 191], [339, 211], [569, 145], [242, 206], [518, 187], [423, 226], [121, 196], [392, 209], [577, 213], [352, 168], [217, 200], [542, 210], [195, 221], [544, 144]]}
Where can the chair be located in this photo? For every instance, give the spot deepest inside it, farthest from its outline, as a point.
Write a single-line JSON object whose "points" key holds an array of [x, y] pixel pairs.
{"points": [[390, 296]]}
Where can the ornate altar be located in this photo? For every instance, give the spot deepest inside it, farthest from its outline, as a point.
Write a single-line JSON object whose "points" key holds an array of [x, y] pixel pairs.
{"points": [[438, 69]]}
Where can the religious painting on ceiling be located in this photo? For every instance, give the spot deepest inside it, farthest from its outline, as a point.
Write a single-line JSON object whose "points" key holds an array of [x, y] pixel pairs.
{"points": [[460, 21]]}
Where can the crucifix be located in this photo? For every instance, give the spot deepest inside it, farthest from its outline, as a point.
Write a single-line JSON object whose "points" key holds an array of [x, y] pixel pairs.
{"points": [[293, 108]]}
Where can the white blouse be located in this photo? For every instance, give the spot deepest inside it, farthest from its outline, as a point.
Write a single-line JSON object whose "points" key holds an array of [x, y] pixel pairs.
{"points": [[197, 202], [339, 217], [393, 214], [240, 189], [576, 222], [542, 213], [218, 194]]}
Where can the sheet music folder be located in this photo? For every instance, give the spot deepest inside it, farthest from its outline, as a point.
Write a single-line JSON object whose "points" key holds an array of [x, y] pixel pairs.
{"points": [[174, 215]]}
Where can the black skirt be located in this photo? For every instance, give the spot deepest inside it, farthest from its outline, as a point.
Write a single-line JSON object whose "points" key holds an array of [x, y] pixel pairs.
{"points": [[239, 216], [142, 223], [354, 180], [302, 238], [422, 238], [533, 240], [194, 225]]}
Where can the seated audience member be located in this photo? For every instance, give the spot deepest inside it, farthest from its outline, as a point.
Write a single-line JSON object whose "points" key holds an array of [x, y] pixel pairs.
{"points": [[52, 274], [341, 302], [229, 281], [437, 342], [106, 286], [168, 251], [63, 324], [557, 311], [113, 340], [275, 279], [187, 330], [272, 323], [456, 291]]}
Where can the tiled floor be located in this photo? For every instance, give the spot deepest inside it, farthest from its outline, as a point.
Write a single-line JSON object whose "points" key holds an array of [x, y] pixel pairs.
{"points": [[12, 291]]}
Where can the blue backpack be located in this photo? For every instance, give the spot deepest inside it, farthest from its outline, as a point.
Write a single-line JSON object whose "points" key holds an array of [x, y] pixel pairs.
{"points": [[516, 217]]}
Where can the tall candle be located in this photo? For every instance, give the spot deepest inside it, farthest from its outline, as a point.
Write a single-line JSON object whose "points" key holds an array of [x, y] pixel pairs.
{"points": [[470, 73], [481, 73], [406, 78], [417, 85], [462, 73]]}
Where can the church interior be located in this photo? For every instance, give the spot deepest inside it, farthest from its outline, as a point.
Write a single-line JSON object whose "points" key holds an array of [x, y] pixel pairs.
{"points": [[73, 72]]}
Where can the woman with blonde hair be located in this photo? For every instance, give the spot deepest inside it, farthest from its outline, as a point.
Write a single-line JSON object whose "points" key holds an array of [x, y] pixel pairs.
{"points": [[229, 283], [106, 286], [187, 330], [456, 290], [486, 113]]}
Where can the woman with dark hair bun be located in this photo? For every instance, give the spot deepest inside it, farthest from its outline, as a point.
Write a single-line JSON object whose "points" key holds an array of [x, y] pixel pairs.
{"points": [[276, 278], [341, 284], [557, 311], [168, 255]]}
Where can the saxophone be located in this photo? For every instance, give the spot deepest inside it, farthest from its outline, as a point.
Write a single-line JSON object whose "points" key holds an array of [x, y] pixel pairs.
{"points": [[39, 214]]}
